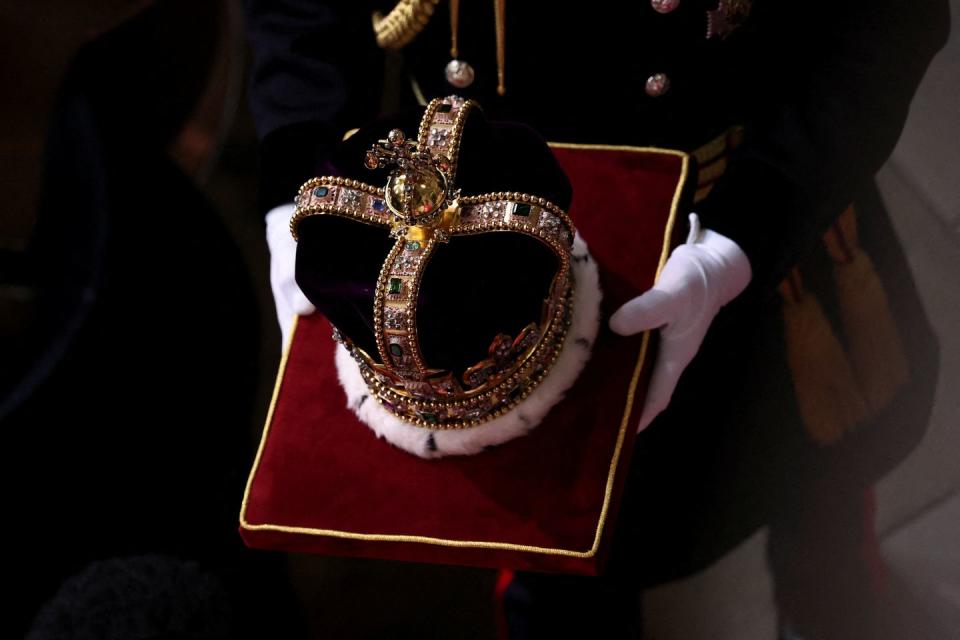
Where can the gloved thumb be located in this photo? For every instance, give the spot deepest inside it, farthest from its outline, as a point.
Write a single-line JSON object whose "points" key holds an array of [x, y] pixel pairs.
{"points": [[300, 303], [653, 309]]}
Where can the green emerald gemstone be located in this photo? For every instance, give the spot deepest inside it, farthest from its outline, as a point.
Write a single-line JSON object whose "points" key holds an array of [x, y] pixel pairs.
{"points": [[321, 192], [396, 285], [444, 108], [428, 417], [521, 209], [413, 245], [396, 350]]}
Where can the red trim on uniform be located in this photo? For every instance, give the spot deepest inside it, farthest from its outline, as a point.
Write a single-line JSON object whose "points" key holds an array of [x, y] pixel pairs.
{"points": [[504, 578], [870, 550]]}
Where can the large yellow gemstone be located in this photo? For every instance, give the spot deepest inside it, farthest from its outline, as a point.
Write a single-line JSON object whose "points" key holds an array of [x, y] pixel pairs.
{"points": [[416, 192]]}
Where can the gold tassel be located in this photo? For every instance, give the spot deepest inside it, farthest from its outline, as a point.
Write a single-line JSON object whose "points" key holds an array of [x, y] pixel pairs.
{"points": [[826, 390], [876, 350], [500, 24]]}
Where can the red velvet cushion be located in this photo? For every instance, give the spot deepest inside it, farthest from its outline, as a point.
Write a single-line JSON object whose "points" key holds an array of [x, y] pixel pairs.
{"points": [[322, 482]]}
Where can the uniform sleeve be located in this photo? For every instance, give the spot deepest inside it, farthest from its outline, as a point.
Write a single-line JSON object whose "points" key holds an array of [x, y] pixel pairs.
{"points": [[836, 83], [316, 72]]}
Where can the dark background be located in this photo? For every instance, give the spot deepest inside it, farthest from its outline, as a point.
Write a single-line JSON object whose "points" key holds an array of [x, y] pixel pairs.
{"points": [[132, 412]]}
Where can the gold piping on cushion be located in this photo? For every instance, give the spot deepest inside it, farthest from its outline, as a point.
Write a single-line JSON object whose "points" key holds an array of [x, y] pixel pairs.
{"points": [[626, 421]]}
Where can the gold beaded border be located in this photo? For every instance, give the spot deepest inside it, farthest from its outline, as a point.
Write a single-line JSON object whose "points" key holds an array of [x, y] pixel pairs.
{"points": [[450, 149], [305, 207], [520, 198], [459, 109], [492, 401], [413, 339], [407, 304], [558, 237]]}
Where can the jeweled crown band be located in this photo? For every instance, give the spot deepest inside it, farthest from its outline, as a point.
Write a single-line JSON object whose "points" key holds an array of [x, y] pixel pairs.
{"points": [[340, 197], [505, 210], [401, 379]]}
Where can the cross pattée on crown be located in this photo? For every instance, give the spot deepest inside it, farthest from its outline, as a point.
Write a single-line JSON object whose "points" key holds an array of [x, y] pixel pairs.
{"points": [[396, 149]]}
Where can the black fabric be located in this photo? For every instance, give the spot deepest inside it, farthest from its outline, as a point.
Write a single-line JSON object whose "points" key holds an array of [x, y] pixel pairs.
{"points": [[538, 606], [150, 597], [474, 287], [316, 72], [128, 433]]}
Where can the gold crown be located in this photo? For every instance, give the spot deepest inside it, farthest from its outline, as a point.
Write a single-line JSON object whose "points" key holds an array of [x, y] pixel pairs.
{"points": [[421, 207]]}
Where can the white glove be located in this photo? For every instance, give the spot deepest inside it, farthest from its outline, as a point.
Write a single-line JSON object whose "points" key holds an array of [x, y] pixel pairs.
{"points": [[287, 295], [699, 278]]}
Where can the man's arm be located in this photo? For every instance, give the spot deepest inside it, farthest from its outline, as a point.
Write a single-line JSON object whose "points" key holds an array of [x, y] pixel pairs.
{"points": [[312, 64]]}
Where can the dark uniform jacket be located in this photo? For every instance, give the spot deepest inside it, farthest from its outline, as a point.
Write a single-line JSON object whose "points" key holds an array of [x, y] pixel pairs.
{"points": [[821, 94]]}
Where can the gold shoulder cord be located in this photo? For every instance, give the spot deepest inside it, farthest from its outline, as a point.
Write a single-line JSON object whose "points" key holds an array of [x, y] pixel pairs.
{"points": [[422, 208], [404, 22], [409, 17]]}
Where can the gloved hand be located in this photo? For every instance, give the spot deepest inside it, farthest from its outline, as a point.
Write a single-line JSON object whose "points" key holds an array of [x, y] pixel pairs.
{"points": [[287, 296], [699, 278]]}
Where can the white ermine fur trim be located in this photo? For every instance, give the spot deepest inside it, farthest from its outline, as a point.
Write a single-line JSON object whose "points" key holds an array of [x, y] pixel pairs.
{"points": [[520, 420]]}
